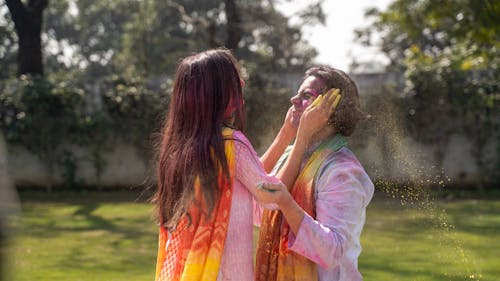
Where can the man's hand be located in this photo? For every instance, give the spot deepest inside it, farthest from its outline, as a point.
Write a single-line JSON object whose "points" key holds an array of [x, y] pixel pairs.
{"points": [[317, 114]]}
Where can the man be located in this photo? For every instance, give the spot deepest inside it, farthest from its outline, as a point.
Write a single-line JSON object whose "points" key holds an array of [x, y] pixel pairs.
{"points": [[317, 237]]}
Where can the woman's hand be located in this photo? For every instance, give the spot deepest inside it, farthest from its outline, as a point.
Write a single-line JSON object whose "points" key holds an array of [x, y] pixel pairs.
{"points": [[273, 193], [278, 194]]}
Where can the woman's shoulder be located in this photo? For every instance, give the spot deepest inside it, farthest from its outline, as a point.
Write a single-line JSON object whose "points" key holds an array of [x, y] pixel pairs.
{"points": [[240, 136], [240, 141]]}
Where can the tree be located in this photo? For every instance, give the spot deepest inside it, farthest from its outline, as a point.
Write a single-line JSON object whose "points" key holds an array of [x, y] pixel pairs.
{"points": [[109, 65], [259, 34], [233, 24], [8, 44], [449, 52], [28, 20], [146, 38], [86, 35]]}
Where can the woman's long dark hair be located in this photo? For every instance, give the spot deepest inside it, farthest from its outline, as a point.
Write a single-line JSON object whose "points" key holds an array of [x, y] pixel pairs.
{"points": [[207, 86]]}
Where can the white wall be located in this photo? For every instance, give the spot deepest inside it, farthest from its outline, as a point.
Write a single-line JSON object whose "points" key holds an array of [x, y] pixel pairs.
{"points": [[124, 168], [387, 155], [405, 161]]}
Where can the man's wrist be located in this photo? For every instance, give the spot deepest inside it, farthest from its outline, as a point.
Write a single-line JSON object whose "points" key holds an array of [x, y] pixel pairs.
{"points": [[302, 140]]}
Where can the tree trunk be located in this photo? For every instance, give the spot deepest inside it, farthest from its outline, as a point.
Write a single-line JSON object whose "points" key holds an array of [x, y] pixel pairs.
{"points": [[28, 24], [233, 25]]}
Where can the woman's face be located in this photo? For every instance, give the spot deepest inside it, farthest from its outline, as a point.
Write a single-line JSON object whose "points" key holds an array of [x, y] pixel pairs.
{"points": [[234, 104], [308, 91]]}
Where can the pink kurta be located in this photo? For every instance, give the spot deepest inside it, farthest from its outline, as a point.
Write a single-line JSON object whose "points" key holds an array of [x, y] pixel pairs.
{"points": [[237, 259]]}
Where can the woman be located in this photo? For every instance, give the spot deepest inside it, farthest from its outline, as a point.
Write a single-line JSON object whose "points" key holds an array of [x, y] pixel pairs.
{"points": [[208, 172]]}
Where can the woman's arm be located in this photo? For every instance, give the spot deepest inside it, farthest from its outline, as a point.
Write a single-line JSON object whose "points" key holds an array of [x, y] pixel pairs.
{"points": [[285, 135]]}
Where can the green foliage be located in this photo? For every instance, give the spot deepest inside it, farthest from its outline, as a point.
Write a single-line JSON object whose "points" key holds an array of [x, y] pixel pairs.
{"points": [[184, 27], [135, 107], [49, 116], [8, 43], [443, 86], [434, 26], [35, 110], [158, 35], [271, 42], [43, 116], [147, 38], [449, 52], [108, 65], [86, 34], [68, 162]]}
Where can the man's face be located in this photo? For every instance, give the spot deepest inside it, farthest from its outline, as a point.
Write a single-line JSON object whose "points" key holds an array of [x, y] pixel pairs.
{"points": [[310, 89]]}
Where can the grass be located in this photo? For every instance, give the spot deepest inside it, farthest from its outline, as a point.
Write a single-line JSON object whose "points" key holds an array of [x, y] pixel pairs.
{"points": [[446, 240], [88, 236], [108, 236]]}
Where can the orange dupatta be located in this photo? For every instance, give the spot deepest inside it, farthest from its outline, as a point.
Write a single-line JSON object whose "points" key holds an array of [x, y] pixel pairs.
{"points": [[194, 251], [274, 261]]}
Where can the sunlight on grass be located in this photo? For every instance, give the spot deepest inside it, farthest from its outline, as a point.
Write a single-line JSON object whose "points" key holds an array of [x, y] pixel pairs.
{"points": [[108, 237], [413, 244], [84, 241]]}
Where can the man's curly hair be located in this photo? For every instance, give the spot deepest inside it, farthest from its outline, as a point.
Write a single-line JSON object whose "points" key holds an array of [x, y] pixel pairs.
{"points": [[348, 112]]}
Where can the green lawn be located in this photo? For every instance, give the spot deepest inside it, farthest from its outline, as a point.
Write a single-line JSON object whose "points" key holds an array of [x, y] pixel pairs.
{"points": [[453, 240], [107, 236], [88, 236]]}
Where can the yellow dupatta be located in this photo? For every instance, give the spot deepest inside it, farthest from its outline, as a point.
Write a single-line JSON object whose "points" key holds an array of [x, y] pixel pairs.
{"points": [[194, 251], [274, 261]]}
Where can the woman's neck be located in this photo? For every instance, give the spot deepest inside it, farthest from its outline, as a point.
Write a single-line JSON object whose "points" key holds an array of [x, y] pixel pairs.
{"points": [[229, 122]]}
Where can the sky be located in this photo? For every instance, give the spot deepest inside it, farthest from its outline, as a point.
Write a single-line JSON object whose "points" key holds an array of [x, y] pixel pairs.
{"points": [[334, 41]]}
